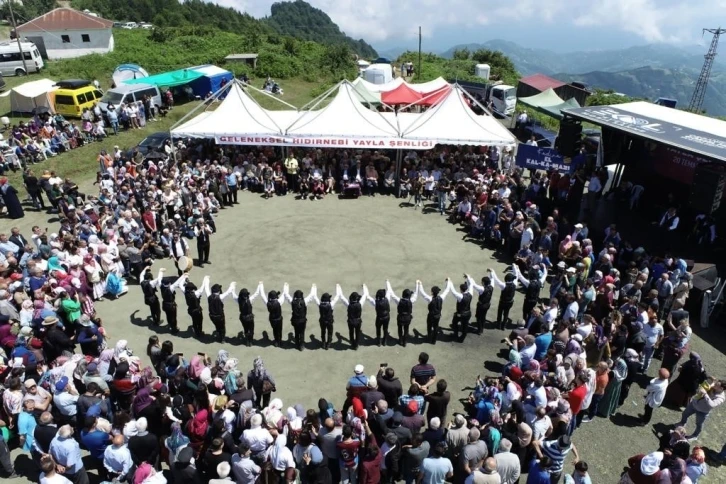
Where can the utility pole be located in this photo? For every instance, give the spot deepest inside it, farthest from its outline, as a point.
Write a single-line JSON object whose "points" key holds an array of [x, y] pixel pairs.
{"points": [[17, 34], [418, 70], [699, 93]]}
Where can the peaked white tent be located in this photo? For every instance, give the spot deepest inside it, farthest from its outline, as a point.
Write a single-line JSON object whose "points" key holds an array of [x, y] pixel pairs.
{"points": [[30, 95], [343, 122], [453, 122], [377, 88], [237, 120]]}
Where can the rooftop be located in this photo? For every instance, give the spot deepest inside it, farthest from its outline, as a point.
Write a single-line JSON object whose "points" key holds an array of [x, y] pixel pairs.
{"points": [[65, 19], [541, 82]]}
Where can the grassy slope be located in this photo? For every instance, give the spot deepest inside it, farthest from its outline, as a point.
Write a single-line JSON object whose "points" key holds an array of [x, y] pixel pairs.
{"points": [[80, 164]]}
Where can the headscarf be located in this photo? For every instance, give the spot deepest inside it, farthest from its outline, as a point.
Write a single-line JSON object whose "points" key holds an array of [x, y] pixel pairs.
{"points": [[199, 424], [650, 464], [631, 354], [280, 456], [566, 243], [222, 357], [259, 368], [273, 412], [143, 472], [177, 439], [695, 359], [196, 366], [54, 265], [104, 361], [524, 434], [120, 350], [206, 376], [141, 401]]}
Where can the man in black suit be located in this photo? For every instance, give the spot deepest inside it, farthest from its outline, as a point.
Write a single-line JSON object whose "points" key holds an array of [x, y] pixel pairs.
{"points": [[357, 172], [17, 238]]}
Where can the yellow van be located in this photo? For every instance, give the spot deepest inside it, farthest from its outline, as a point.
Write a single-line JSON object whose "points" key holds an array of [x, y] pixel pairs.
{"points": [[74, 95]]}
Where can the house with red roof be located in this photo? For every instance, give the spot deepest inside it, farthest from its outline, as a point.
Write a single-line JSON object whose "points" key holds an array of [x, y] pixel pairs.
{"points": [[64, 33]]}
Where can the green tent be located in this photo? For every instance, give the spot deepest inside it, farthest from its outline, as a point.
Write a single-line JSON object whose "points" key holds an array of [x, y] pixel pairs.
{"points": [[168, 79], [549, 103], [364, 95], [556, 110]]}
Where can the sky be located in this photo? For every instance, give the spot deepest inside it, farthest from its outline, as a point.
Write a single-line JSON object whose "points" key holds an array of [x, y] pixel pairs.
{"points": [[560, 25]]}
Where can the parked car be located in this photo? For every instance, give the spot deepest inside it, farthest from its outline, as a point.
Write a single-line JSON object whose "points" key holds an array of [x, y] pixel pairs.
{"points": [[153, 142], [130, 25], [145, 25]]}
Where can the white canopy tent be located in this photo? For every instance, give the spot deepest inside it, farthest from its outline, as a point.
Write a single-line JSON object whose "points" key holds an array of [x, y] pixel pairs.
{"points": [[343, 122], [453, 122], [30, 95], [237, 120]]}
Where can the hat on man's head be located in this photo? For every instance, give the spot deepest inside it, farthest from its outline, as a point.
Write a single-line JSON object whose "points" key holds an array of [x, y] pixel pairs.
{"points": [[50, 321], [84, 320], [358, 369], [185, 455], [92, 368], [61, 384], [29, 383]]}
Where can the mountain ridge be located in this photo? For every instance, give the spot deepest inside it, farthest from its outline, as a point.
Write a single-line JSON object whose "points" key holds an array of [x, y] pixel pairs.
{"points": [[648, 71]]}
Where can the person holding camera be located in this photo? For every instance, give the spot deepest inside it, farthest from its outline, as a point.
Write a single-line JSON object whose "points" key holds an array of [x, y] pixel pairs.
{"points": [[202, 232]]}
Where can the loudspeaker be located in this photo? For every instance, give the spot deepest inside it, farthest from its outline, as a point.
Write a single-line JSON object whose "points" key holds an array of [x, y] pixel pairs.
{"points": [[707, 188], [569, 136]]}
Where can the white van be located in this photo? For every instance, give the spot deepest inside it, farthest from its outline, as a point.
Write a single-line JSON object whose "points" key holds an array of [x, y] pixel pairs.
{"points": [[11, 63], [126, 93]]}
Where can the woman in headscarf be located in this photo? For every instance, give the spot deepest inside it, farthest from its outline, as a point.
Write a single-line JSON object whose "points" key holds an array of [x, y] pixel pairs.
{"points": [[93, 272], [104, 362], [273, 413], [260, 380], [491, 434], [294, 424], [222, 357], [632, 360], [120, 352], [231, 373], [175, 442], [10, 199], [282, 460], [565, 246], [611, 399], [145, 405], [692, 374], [115, 285], [197, 430]]}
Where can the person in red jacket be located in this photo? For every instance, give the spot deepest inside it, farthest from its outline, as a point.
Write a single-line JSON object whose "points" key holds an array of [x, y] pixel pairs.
{"points": [[575, 397]]}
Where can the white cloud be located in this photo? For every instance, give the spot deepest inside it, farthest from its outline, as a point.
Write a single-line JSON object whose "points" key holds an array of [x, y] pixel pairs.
{"points": [[380, 20]]}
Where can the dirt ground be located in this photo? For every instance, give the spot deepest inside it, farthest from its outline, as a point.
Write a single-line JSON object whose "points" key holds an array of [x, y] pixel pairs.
{"points": [[369, 240]]}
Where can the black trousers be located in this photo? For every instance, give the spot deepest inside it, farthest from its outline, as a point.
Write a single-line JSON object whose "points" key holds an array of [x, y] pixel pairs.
{"points": [[326, 333], [527, 308], [197, 321], [170, 312], [481, 317], [276, 330], [382, 326], [155, 309], [248, 327], [233, 194], [460, 324], [203, 252], [354, 334], [403, 327], [432, 328], [219, 325], [299, 330], [647, 413], [503, 314]]}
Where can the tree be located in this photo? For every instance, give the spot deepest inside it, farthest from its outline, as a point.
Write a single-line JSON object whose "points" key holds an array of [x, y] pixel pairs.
{"points": [[462, 54], [602, 97]]}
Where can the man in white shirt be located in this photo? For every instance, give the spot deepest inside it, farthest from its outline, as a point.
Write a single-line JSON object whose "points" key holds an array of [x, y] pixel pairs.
{"points": [[258, 438], [527, 236], [653, 336], [532, 141], [655, 393]]}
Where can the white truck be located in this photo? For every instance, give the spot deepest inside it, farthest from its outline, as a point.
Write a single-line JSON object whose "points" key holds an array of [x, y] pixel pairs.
{"points": [[497, 96]]}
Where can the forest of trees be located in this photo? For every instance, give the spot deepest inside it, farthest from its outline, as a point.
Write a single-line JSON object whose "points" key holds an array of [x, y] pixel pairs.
{"points": [[173, 13], [301, 20]]}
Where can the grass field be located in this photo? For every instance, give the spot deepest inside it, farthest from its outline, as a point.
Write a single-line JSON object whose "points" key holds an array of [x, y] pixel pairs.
{"points": [[80, 164]]}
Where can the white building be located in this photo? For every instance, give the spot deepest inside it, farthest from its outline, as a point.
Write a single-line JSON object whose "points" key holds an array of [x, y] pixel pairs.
{"points": [[64, 32]]}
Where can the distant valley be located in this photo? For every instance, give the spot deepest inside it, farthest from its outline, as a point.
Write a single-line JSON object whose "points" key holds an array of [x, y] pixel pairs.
{"points": [[647, 71]]}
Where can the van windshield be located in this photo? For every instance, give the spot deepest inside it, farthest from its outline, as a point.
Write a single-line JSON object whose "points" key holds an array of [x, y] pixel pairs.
{"points": [[111, 97]]}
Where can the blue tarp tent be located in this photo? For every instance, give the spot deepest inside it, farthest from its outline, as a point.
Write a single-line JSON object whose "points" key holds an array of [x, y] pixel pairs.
{"points": [[211, 80]]}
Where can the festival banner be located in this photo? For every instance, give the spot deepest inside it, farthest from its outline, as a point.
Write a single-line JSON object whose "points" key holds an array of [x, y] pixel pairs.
{"points": [[326, 142], [536, 158]]}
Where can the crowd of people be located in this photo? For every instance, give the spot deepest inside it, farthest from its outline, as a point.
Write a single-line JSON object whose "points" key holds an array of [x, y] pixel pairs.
{"points": [[573, 356]]}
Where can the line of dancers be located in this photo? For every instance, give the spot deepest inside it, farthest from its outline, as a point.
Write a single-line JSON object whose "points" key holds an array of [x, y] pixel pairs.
{"points": [[381, 302]]}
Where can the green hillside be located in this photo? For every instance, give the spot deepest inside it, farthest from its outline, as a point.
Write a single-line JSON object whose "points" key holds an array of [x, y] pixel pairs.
{"points": [[301, 20]]}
